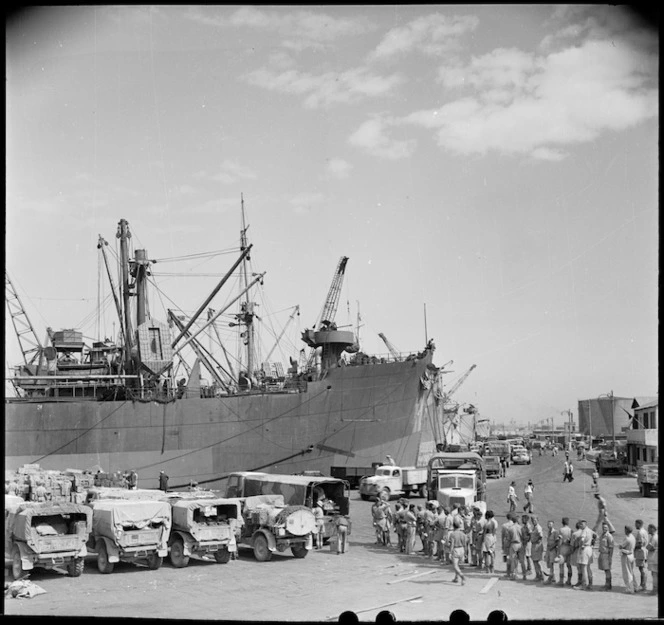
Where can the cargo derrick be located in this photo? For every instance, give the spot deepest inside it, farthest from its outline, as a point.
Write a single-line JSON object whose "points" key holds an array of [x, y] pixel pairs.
{"points": [[333, 342]]}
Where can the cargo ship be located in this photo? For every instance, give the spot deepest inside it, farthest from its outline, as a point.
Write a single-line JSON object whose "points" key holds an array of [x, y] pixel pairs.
{"points": [[117, 405]]}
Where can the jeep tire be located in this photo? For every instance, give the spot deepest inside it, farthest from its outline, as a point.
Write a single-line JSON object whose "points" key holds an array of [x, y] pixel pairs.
{"points": [[299, 551], [222, 556], [17, 565], [176, 554], [262, 552], [103, 564], [154, 561], [75, 567]]}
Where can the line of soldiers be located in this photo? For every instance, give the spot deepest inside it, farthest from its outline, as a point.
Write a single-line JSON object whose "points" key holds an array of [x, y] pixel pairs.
{"points": [[466, 535], [460, 535]]}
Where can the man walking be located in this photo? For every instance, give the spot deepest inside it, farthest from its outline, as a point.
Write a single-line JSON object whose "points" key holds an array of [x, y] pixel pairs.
{"points": [[528, 494], [627, 560], [640, 552], [457, 542], [602, 516], [512, 497], [568, 471], [605, 554]]}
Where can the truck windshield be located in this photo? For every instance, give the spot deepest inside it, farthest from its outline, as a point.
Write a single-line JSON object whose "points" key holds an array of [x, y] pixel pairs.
{"points": [[387, 472], [447, 481], [465, 481]]}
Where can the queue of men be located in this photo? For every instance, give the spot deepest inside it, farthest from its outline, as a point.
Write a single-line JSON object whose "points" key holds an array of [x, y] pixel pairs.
{"points": [[465, 535]]}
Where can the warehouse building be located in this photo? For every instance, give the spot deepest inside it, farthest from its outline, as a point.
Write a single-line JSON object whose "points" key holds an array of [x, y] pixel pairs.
{"points": [[608, 416], [642, 437]]}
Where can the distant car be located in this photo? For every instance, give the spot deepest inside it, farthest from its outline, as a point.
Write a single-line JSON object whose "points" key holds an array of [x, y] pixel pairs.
{"points": [[521, 456]]}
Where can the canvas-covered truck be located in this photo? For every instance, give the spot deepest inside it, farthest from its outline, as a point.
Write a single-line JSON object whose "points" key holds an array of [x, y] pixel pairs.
{"points": [[502, 449], [297, 490], [203, 528], [270, 525], [46, 535], [610, 462], [129, 530], [457, 477], [389, 480], [647, 478], [492, 466]]}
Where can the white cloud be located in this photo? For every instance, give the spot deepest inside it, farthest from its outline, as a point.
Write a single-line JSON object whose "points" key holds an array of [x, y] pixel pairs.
{"points": [[300, 29], [328, 88], [372, 136], [433, 34], [338, 168], [231, 172], [524, 104], [305, 203]]}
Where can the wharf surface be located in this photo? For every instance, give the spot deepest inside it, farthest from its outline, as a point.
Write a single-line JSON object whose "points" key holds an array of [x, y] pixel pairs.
{"points": [[369, 577]]}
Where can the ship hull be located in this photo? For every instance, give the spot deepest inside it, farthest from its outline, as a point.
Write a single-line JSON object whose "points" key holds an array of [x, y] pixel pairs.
{"points": [[356, 415]]}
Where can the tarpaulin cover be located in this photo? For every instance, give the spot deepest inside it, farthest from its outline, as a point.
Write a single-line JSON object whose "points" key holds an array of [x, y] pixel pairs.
{"points": [[114, 492], [20, 521], [183, 510], [271, 500], [110, 516]]}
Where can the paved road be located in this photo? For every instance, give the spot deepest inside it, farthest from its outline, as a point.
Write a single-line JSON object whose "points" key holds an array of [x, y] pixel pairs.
{"points": [[366, 579]]}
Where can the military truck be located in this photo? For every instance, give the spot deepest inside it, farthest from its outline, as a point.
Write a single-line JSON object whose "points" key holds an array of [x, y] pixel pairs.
{"points": [[610, 462], [128, 531], [297, 490], [391, 480], [647, 478], [46, 535], [456, 477], [270, 525], [202, 527]]}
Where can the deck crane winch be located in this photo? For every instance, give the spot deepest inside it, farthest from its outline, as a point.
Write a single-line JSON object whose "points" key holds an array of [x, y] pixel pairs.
{"points": [[325, 333]]}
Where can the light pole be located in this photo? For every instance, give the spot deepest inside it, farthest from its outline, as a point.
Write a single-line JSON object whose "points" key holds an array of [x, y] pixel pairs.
{"points": [[569, 427]]}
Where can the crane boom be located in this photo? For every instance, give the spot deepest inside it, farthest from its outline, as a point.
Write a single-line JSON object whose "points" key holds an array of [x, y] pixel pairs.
{"points": [[25, 333], [393, 350], [329, 310], [459, 382]]}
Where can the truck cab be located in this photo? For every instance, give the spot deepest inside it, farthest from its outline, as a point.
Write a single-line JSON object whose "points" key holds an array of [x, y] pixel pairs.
{"points": [[457, 487], [390, 480]]}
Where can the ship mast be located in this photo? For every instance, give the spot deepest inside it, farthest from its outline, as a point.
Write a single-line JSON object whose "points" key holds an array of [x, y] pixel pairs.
{"points": [[246, 315], [124, 235]]}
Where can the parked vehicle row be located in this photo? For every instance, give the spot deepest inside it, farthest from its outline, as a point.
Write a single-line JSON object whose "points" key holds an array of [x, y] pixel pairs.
{"points": [[263, 512]]}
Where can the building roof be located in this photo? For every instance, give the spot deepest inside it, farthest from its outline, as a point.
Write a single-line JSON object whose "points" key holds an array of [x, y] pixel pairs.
{"points": [[651, 404]]}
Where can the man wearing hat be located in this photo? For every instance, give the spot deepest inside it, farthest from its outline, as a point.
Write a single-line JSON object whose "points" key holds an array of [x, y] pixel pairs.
{"points": [[163, 481], [528, 494]]}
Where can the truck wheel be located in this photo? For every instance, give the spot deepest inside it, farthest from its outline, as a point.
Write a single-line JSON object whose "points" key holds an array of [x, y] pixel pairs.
{"points": [[222, 556], [299, 551], [424, 491], [262, 552], [365, 497], [17, 565], [75, 567], [154, 561], [176, 554], [103, 564]]}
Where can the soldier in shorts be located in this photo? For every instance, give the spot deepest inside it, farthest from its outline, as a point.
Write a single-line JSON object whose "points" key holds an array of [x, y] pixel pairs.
{"points": [[565, 551], [552, 548]]}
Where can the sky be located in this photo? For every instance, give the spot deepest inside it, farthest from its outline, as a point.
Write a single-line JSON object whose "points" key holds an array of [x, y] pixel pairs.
{"points": [[490, 171]]}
